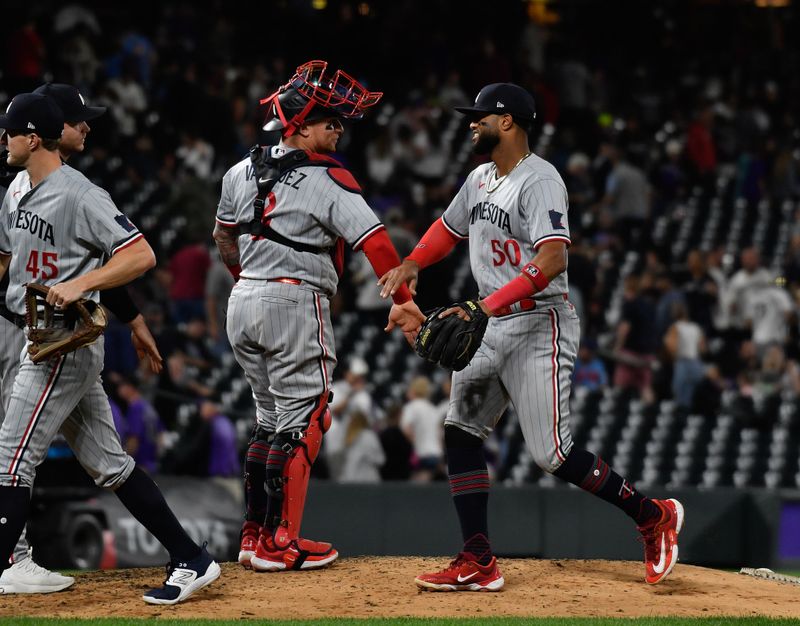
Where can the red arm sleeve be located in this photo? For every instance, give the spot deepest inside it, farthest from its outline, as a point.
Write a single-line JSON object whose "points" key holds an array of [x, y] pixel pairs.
{"points": [[530, 281], [435, 244], [382, 256]]}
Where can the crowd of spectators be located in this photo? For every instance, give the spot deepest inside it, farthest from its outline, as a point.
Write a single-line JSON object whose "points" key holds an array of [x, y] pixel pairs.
{"points": [[698, 94]]}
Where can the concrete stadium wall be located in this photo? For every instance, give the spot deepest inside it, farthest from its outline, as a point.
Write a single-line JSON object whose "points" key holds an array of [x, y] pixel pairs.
{"points": [[724, 527]]}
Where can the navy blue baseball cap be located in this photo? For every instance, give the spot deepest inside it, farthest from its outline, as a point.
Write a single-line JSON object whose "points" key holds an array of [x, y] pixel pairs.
{"points": [[34, 113], [71, 102], [502, 99]]}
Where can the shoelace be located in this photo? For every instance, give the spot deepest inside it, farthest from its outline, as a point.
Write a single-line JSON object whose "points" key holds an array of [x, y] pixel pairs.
{"points": [[29, 565], [456, 562], [650, 540]]}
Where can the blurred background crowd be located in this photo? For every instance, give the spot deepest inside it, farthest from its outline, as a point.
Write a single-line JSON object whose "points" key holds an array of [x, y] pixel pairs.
{"points": [[673, 124]]}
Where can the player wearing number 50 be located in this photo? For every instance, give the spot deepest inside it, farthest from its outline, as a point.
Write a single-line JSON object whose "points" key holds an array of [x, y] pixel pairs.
{"points": [[56, 216], [513, 210]]}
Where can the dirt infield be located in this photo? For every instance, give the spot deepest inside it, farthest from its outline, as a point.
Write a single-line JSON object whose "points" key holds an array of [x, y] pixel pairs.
{"points": [[384, 587]]}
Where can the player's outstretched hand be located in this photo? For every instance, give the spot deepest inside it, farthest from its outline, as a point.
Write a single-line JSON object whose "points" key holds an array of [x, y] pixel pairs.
{"points": [[408, 317], [407, 272], [145, 344]]}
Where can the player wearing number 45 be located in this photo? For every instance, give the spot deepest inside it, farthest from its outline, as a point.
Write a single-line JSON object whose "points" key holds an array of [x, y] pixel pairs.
{"points": [[52, 208], [25, 575], [513, 210]]}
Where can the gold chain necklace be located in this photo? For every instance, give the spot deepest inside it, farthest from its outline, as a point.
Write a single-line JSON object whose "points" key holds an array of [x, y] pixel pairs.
{"points": [[499, 180]]}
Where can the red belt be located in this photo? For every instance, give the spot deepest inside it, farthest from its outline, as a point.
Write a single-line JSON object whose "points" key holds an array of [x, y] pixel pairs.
{"points": [[288, 281], [526, 304]]}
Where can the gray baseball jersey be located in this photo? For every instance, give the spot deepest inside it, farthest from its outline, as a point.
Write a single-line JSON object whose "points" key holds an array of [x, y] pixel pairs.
{"points": [[60, 229], [526, 357], [279, 311], [310, 206], [507, 220]]}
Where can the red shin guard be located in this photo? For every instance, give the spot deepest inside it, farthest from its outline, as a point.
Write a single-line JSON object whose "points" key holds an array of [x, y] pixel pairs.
{"points": [[296, 472]]}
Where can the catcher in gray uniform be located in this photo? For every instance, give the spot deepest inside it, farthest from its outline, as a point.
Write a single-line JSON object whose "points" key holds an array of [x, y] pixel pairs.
{"points": [[24, 575], [513, 210], [284, 216], [56, 228]]}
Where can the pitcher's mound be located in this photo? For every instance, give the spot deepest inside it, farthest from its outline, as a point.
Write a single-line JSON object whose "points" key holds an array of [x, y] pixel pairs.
{"points": [[384, 587]]}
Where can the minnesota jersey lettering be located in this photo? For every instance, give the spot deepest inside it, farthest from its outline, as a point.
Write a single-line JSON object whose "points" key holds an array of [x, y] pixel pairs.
{"points": [[25, 220], [492, 213]]}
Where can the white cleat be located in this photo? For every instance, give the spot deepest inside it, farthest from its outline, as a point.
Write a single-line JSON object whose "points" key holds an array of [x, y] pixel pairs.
{"points": [[26, 576]]}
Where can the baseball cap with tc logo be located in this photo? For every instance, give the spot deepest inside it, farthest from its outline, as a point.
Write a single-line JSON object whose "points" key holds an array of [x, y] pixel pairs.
{"points": [[33, 113], [502, 99], [71, 102]]}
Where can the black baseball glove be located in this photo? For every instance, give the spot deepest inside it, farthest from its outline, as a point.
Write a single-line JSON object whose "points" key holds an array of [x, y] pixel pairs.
{"points": [[452, 342]]}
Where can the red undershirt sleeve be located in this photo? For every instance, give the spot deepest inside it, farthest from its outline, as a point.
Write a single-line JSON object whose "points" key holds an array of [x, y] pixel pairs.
{"points": [[435, 244], [382, 256]]}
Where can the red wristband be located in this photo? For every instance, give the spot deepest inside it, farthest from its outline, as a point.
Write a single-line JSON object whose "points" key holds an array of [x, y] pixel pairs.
{"points": [[513, 291], [535, 274], [235, 271]]}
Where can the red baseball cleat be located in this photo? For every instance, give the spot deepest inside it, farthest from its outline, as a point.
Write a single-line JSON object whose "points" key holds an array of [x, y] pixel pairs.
{"points": [[660, 540], [463, 574], [299, 554], [250, 532]]}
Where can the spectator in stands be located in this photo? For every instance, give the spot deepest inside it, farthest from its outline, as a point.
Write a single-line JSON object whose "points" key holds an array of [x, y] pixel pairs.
{"points": [[177, 384], [363, 454], [396, 447], [580, 188], [188, 268], [742, 286], [195, 156], [671, 178], [144, 431], [700, 148], [590, 371], [223, 445], [668, 294], [424, 428], [714, 266], [700, 292], [126, 99], [627, 197], [381, 160], [26, 53], [636, 341], [768, 312], [118, 416], [192, 342], [219, 283], [685, 343], [349, 395], [760, 389]]}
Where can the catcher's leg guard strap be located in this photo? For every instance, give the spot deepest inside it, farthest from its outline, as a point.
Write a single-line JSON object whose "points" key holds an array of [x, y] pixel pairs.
{"points": [[288, 470], [255, 493]]}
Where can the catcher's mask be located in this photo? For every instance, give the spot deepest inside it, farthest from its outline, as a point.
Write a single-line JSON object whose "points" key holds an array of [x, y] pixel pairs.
{"points": [[312, 94]]}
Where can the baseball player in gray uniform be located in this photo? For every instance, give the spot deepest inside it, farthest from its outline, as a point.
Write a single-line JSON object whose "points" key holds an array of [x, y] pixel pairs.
{"points": [[56, 227], [284, 215], [25, 575], [513, 210]]}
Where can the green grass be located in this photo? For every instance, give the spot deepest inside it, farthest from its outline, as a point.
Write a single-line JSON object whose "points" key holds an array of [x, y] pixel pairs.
{"points": [[505, 621]]}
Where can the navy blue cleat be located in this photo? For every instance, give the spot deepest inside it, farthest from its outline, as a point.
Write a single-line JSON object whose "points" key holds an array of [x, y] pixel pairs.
{"points": [[183, 579]]}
